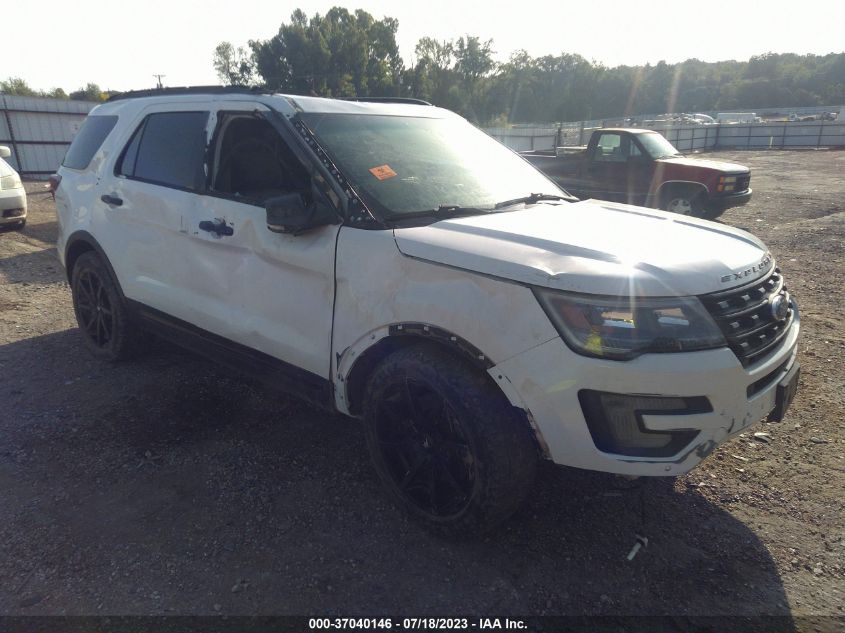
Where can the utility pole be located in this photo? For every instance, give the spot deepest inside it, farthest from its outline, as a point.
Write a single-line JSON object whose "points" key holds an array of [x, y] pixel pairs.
{"points": [[158, 77]]}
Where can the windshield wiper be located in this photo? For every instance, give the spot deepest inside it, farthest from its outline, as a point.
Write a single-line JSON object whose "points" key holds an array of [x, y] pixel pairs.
{"points": [[442, 212], [532, 199]]}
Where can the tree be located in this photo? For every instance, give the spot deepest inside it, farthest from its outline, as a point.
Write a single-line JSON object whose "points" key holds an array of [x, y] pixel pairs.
{"points": [[18, 87], [91, 92], [55, 93], [340, 54], [233, 65], [473, 62]]}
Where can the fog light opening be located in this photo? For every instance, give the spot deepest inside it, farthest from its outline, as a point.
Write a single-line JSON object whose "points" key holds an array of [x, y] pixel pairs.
{"points": [[615, 422]]}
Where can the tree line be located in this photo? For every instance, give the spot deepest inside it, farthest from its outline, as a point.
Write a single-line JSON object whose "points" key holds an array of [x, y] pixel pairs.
{"points": [[20, 88], [348, 54]]}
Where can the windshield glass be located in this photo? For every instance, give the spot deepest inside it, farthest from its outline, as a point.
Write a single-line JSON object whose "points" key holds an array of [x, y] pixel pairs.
{"points": [[657, 146], [402, 165]]}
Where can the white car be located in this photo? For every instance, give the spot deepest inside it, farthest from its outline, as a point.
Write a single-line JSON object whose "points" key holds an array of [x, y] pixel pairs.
{"points": [[12, 193], [391, 262]]}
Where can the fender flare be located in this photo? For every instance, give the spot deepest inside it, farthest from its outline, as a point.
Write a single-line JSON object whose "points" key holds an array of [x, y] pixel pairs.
{"points": [[80, 242], [354, 364]]}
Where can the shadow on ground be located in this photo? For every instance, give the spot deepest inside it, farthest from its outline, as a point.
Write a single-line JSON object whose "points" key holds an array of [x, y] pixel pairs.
{"points": [[170, 486]]}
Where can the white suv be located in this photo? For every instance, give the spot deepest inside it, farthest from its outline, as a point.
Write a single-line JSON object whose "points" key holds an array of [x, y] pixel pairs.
{"points": [[389, 261]]}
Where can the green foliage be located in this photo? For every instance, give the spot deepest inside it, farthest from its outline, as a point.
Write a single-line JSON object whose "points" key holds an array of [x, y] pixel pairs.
{"points": [[341, 54], [91, 92], [352, 54], [17, 87], [233, 65]]}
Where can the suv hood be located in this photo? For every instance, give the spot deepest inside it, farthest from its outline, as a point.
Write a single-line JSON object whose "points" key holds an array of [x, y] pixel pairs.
{"points": [[594, 247], [703, 163]]}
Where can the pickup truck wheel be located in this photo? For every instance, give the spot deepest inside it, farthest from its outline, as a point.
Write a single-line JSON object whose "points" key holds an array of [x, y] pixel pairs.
{"points": [[682, 202], [100, 312], [445, 442]]}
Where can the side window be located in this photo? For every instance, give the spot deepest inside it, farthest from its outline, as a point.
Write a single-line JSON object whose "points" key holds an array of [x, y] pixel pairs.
{"points": [[88, 140], [168, 148], [634, 150], [126, 164], [609, 149], [252, 162]]}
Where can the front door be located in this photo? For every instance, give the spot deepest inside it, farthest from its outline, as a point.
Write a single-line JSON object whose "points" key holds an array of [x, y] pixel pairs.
{"points": [[618, 170], [269, 292]]}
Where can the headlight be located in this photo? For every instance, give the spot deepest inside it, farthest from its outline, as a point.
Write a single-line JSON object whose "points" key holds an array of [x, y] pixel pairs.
{"points": [[726, 183], [12, 181], [621, 328]]}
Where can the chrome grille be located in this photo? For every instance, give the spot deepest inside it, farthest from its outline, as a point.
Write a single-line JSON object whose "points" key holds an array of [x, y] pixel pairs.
{"points": [[742, 182], [745, 317]]}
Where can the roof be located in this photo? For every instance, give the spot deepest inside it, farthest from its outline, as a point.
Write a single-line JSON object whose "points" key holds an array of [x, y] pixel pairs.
{"points": [[630, 130], [286, 104]]}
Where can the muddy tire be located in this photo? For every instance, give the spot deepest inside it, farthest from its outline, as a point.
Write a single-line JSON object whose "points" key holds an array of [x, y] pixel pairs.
{"points": [[447, 445], [107, 329]]}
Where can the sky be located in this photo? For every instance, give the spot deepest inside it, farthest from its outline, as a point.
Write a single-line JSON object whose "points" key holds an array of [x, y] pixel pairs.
{"points": [[120, 45]]}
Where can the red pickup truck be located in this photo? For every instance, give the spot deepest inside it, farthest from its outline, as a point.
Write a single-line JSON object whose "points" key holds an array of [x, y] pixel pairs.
{"points": [[641, 167]]}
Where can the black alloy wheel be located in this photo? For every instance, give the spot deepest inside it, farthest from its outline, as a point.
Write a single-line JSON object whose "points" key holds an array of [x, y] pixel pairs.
{"points": [[427, 453], [108, 330], [447, 445], [95, 309]]}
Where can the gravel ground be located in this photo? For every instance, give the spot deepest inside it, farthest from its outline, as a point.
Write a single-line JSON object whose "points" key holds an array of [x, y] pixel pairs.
{"points": [[170, 486]]}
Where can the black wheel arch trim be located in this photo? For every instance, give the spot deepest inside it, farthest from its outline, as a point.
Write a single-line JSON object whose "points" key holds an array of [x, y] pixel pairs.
{"points": [[431, 332], [399, 334], [73, 244]]}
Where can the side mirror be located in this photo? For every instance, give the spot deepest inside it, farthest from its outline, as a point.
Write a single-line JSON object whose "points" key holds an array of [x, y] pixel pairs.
{"points": [[290, 214], [5, 152]]}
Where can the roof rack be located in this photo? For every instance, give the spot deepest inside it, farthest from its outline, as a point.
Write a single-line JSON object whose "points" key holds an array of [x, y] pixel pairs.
{"points": [[387, 100], [217, 90], [189, 90]]}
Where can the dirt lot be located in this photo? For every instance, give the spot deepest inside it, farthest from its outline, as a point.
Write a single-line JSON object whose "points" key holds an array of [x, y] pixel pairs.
{"points": [[169, 486]]}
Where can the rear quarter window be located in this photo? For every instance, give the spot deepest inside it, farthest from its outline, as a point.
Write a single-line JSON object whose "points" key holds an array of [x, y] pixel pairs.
{"points": [[88, 140]]}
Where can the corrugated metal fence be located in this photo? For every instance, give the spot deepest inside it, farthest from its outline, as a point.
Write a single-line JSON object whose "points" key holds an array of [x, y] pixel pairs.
{"points": [[774, 135], [38, 131]]}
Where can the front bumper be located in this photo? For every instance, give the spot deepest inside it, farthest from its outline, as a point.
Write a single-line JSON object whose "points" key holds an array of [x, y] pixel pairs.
{"points": [[12, 205], [547, 379], [728, 201]]}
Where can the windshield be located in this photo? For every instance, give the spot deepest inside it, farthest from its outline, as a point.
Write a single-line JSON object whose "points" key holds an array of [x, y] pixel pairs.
{"points": [[657, 146], [404, 165]]}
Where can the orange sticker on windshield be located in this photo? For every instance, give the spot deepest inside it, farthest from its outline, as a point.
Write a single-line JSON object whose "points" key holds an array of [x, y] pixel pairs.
{"points": [[382, 172]]}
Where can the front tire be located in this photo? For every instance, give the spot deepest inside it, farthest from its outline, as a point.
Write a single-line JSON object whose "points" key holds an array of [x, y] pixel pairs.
{"points": [[446, 444], [682, 201], [102, 316]]}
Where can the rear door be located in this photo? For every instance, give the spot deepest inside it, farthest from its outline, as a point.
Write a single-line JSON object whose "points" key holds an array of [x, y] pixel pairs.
{"points": [[153, 187]]}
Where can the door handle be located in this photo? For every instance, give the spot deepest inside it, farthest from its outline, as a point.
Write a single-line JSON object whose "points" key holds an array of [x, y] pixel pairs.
{"points": [[219, 228], [112, 201]]}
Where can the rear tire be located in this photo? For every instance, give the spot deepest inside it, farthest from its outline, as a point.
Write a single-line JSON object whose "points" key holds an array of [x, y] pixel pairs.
{"points": [[101, 313], [21, 224], [447, 445]]}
